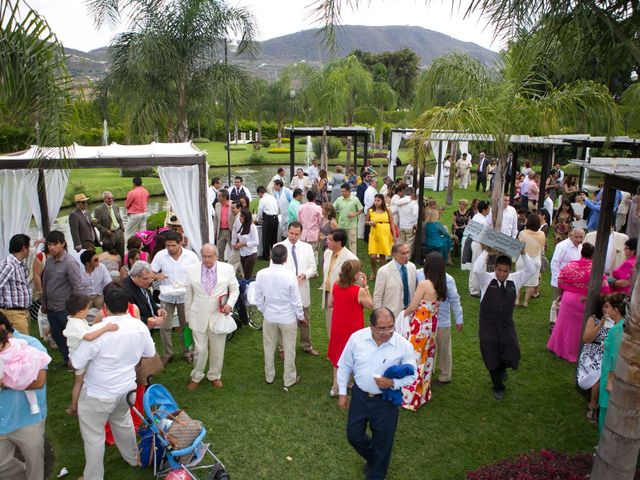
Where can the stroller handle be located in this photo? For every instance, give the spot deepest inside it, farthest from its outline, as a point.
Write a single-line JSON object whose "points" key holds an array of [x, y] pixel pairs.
{"points": [[130, 402]]}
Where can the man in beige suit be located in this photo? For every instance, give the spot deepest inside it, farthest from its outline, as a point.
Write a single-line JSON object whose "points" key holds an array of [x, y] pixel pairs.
{"points": [[334, 256], [615, 249], [396, 281], [212, 291]]}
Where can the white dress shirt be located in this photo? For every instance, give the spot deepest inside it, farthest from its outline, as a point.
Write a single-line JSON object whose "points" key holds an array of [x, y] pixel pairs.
{"points": [[524, 186], [363, 357], [518, 278], [548, 205], [407, 213], [312, 172], [98, 279], [452, 303], [111, 358], [174, 270], [268, 205], [509, 222], [251, 239], [277, 295], [369, 195], [564, 252], [481, 219], [306, 264]]}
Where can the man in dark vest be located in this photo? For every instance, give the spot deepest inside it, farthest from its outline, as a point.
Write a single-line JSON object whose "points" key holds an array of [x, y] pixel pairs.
{"points": [[498, 339]]}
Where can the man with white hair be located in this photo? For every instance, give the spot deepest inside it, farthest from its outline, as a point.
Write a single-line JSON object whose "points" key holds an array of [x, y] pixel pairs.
{"points": [[110, 224], [565, 251], [212, 292], [137, 287]]}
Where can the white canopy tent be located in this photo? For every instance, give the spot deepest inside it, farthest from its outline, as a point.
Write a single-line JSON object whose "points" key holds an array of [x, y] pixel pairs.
{"points": [[34, 181]]}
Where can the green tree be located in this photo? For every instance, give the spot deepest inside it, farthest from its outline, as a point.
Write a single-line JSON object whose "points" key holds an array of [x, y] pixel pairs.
{"points": [[383, 98], [169, 64]]}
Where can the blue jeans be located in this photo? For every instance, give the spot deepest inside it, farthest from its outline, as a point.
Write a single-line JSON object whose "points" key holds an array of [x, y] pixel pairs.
{"points": [[57, 323]]}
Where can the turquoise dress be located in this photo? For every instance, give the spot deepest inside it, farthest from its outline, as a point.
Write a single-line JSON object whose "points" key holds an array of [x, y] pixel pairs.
{"points": [[436, 238], [609, 358]]}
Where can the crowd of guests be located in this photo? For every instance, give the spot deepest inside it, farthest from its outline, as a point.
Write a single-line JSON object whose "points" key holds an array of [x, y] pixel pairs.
{"points": [[101, 308]]}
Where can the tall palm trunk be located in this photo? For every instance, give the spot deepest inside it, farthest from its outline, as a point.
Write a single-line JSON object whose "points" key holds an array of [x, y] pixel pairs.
{"points": [[183, 126], [498, 191], [324, 153], [617, 453]]}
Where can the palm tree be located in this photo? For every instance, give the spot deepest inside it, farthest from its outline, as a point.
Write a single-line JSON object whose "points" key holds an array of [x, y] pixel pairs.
{"points": [[34, 82], [383, 99], [518, 100], [170, 60]]}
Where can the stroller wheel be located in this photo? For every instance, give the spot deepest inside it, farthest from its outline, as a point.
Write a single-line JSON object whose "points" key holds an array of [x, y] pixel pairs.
{"points": [[255, 317], [230, 335], [218, 472]]}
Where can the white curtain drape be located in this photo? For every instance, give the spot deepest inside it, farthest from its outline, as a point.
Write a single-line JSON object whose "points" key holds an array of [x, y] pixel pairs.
{"points": [[396, 138], [181, 187], [55, 182], [435, 147], [463, 147], [17, 187]]}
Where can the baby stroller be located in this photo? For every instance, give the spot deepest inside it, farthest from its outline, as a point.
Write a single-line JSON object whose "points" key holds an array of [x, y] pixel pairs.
{"points": [[170, 440], [245, 312]]}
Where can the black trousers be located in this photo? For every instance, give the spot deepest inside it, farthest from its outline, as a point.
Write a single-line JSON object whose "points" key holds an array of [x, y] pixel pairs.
{"points": [[497, 378], [481, 181], [269, 234], [382, 418], [57, 324], [367, 231]]}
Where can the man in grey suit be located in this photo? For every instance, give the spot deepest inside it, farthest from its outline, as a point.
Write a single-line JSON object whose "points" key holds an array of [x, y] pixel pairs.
{"points": [[80, 223], [396, 281], [110, 223]]}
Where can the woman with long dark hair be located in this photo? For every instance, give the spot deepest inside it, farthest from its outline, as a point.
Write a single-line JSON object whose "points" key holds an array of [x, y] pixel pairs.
{"points": [[422, 328], [563, 221], [245, 240], [381, 235]]}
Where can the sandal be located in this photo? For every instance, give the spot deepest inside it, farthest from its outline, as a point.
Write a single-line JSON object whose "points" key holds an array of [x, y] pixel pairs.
{"points": [[592, 415]]}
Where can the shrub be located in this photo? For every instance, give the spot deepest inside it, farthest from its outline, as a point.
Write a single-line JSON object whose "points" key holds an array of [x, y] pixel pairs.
{"points": [[302, 141], [236, 148], [334, 147], [138, 172], [256, 158], [201, 140], [278, 150], [265, 143], [156, 220], [74, 189], [13, 138], [284, 139]]}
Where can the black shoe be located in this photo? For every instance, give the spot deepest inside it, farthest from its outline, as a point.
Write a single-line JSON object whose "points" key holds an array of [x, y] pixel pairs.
{"points": [[504, 376], [498, 394]]}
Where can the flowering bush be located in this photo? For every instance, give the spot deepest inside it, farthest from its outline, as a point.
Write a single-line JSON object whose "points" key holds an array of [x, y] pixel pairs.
{"points": [[278, 150], [542, 465]]}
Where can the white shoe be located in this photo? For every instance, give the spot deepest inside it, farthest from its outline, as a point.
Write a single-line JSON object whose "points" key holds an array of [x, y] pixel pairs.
{"points": [[333, 393]]}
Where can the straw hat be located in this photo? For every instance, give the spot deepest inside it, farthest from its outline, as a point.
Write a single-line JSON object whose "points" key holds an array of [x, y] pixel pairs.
{"points": [[80, 197], [173, 221]]}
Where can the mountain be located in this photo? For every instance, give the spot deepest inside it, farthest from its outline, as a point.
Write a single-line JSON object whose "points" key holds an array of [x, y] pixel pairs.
{"points": [[305, 46]]}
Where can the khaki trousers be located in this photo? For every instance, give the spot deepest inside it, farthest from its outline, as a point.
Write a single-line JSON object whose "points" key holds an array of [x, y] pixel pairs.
{"points": [[93, 413], [443, 351], [30, 441], [353, 240], [166, 330], [476, 250], [234, 261], [137, 222], [96, 301], [408, 236], [19, 319], [224, 239], [208, 345], [328, 313], [270, 333], [305, 333]]}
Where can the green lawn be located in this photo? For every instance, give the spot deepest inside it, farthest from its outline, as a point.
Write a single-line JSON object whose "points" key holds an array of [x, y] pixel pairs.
{"points": [[254, 427]]}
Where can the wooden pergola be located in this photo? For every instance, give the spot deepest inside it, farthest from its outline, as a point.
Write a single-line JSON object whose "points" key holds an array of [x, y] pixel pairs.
{"points": [[60, 160], [355, 132]]}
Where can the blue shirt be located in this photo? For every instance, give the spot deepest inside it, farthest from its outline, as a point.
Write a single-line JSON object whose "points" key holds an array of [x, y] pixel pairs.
{"points": [[452, 303], [15, 412], [363, 357], [594, 216]]}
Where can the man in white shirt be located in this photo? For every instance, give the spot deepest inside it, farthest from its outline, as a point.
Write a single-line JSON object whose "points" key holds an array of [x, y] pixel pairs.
{"points": [[565, 251], [110, 361], [268, 210], [313, 171], [214, 189], [367, 355], [97, 277], [558, 169], [509, 218], [524, 189], [239, 190], [481, 180], [283, 196], [277, 176], [170, 266], [406, 209], [369, 197], [301, 261], [278, 298], [301, 181], [498, 339], [483, 217]]}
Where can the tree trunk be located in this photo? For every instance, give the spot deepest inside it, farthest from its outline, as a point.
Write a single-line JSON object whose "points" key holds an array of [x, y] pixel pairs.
{"points": [[324, 153], [348, 147], [236, 135], [498, 191], [617, 453], [259, 129], [279, 133], [452, 176], [183, 126]]}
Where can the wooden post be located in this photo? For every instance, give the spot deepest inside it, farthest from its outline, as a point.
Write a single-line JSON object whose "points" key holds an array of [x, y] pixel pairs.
{"points": [[544, 174], [203, 169], [414, 183], [438, 166], [417, 243], [366, 145], [512, 180], [292, 153], [42, 202], [602, 241], [354, 138]]}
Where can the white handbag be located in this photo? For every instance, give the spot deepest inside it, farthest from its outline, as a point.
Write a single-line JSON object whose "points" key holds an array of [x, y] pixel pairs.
{"points": [[224, 325]]}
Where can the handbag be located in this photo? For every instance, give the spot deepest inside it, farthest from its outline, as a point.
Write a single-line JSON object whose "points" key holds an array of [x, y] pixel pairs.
{"points": [[395, 231], [225, 325], [553, 314], [148, 367], [182, 432]]}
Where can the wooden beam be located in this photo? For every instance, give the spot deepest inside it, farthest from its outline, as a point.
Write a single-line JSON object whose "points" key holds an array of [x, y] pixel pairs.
{"points": [[43, 204], [111, 162], [366, 146], [417, 243], [203, 168], [355, 153], [292, 154]]}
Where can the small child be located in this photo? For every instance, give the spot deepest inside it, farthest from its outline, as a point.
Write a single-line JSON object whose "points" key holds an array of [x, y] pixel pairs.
{"points": [[20, 364], [78, 329]]}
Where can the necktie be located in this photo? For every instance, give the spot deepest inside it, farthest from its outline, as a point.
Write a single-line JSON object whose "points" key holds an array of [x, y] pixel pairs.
{"points": [[405, 285], [295, 257], [210, 281], [148, 299], [114, 220]]}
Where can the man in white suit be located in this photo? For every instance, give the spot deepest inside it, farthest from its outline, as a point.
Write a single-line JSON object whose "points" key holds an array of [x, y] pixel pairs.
{"points": [[396, 281], [334, 256], [212, 291], [302, 262], [615, 248]]}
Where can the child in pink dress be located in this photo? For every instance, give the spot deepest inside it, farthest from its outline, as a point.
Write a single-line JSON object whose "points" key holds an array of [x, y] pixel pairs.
{"points": [[20, 365]]}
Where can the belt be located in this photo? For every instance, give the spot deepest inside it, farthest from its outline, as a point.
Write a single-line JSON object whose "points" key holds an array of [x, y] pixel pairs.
{"points": [[370, 395], [13, 308], [271, 216]]}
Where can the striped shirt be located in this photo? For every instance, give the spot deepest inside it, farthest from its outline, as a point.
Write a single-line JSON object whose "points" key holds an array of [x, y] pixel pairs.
{"points": [[14, 286]]}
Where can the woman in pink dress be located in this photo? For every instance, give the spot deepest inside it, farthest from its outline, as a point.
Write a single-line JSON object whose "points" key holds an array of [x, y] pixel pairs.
{"points": [[573, 280], [621, 276], [349, 297]]}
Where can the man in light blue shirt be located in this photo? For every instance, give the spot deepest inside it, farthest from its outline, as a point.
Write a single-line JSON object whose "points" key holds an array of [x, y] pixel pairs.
{"points": [[594, 216], [18, 426], [443, 335], [367, 355]]}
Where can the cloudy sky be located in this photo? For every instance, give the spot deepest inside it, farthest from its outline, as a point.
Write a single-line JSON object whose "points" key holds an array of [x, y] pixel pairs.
{"points": [[72, 24]]}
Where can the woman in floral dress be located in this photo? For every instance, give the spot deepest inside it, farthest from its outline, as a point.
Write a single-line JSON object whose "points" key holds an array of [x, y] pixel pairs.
{"points": [[563, 221], [422, 329]]}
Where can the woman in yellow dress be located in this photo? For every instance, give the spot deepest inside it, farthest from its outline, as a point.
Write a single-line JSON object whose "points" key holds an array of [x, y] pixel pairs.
{"points": [[381, 235]]}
